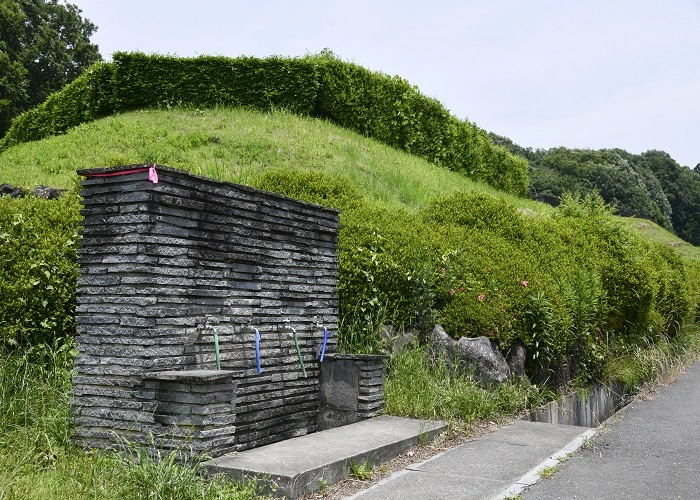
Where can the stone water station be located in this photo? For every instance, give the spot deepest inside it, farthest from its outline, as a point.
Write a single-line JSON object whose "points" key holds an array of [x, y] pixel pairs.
{"points": [[207, 319]]}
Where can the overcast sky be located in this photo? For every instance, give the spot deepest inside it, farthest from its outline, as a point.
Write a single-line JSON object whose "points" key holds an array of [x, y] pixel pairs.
{"points": [[592, 74]]}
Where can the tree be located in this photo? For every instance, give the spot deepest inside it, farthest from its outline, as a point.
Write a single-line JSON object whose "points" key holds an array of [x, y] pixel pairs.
{"points": [[682, 186], [44, 45]]}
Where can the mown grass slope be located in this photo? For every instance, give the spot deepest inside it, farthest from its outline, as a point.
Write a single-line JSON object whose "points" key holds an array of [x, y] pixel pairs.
{"points": [[237, 146]]}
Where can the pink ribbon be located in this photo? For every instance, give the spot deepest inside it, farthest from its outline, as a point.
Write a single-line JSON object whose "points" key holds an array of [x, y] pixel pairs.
{"points": [[152, 173]]}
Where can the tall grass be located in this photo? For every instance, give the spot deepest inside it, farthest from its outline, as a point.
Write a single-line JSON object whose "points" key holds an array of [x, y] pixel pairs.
{"points": [[359, 331], [653, 363], [419, 387], [37, 459]]}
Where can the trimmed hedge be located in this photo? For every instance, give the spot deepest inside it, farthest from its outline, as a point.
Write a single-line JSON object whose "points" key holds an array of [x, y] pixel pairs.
{"points": [[385, 108], [145, 81], [87, 98]]}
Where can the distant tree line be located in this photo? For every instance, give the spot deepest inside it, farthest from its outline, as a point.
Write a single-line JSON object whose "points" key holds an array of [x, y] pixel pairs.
{"points": [[651, 185]]}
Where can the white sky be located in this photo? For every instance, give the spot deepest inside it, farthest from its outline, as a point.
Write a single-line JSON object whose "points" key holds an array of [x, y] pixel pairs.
{"points": [[545, 73]]}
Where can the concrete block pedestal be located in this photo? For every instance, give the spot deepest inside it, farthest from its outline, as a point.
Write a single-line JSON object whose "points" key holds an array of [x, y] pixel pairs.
{"points": [[351, 389]]}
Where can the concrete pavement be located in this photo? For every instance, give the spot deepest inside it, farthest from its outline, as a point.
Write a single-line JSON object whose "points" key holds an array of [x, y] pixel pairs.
{"points": [[648, 450], [496, 465]]}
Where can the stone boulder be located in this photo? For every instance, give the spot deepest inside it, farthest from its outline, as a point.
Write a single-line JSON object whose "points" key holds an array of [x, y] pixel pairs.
{"points": [[46, 192], [516, 357], [11, 191], [474, 355]]}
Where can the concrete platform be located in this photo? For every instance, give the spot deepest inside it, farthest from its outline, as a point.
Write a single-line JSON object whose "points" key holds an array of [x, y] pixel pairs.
{"points": [[300, 466]]}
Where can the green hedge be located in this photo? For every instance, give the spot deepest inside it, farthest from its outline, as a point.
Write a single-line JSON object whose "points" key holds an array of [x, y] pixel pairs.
{"points": [[38, 240], [88, 97], [158, 81], [385, 108]]}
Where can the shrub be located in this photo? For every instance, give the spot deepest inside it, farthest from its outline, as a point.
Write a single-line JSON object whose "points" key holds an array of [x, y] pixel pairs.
{"points": [[311, 186], [38, 240], [567, 286], [146, 81]]}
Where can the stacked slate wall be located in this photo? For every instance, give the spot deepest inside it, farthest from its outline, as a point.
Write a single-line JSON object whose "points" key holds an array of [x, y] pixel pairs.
{"points": [[158, 258]]}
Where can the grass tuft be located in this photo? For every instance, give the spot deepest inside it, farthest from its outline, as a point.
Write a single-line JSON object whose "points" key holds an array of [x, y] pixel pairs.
{"points": [[655, 363], [37, 459], [420, 388]]}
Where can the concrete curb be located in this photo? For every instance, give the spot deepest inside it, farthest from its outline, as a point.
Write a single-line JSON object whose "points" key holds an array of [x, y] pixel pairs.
{"points": [[533, 476]]}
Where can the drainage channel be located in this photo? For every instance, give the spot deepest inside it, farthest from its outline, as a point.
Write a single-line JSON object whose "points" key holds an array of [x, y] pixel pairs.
{"points": [[588, 410]]}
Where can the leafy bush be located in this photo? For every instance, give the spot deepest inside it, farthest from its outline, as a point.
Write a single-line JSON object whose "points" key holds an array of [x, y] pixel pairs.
{"points": [[570, 287], [145, 81], [311, 186], [38, 240]]}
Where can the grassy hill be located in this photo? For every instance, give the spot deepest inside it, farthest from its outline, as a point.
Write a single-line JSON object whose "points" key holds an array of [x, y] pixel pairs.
{"points": [[238, 146]]}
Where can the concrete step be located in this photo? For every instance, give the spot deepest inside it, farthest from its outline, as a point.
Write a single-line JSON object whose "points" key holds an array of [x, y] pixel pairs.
{"points": [[302, 465]]}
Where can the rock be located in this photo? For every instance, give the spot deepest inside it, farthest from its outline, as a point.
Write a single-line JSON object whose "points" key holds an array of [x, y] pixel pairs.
{"points": [[488, 363], [516, 358], [397, 342], [7, 190], [387, 333], [442, 346], [403, 341], [476, 355], [47, 192]]}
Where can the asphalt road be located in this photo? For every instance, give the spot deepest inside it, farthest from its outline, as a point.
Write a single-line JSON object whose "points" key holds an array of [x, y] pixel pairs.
{"points": [[649, 450]]}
